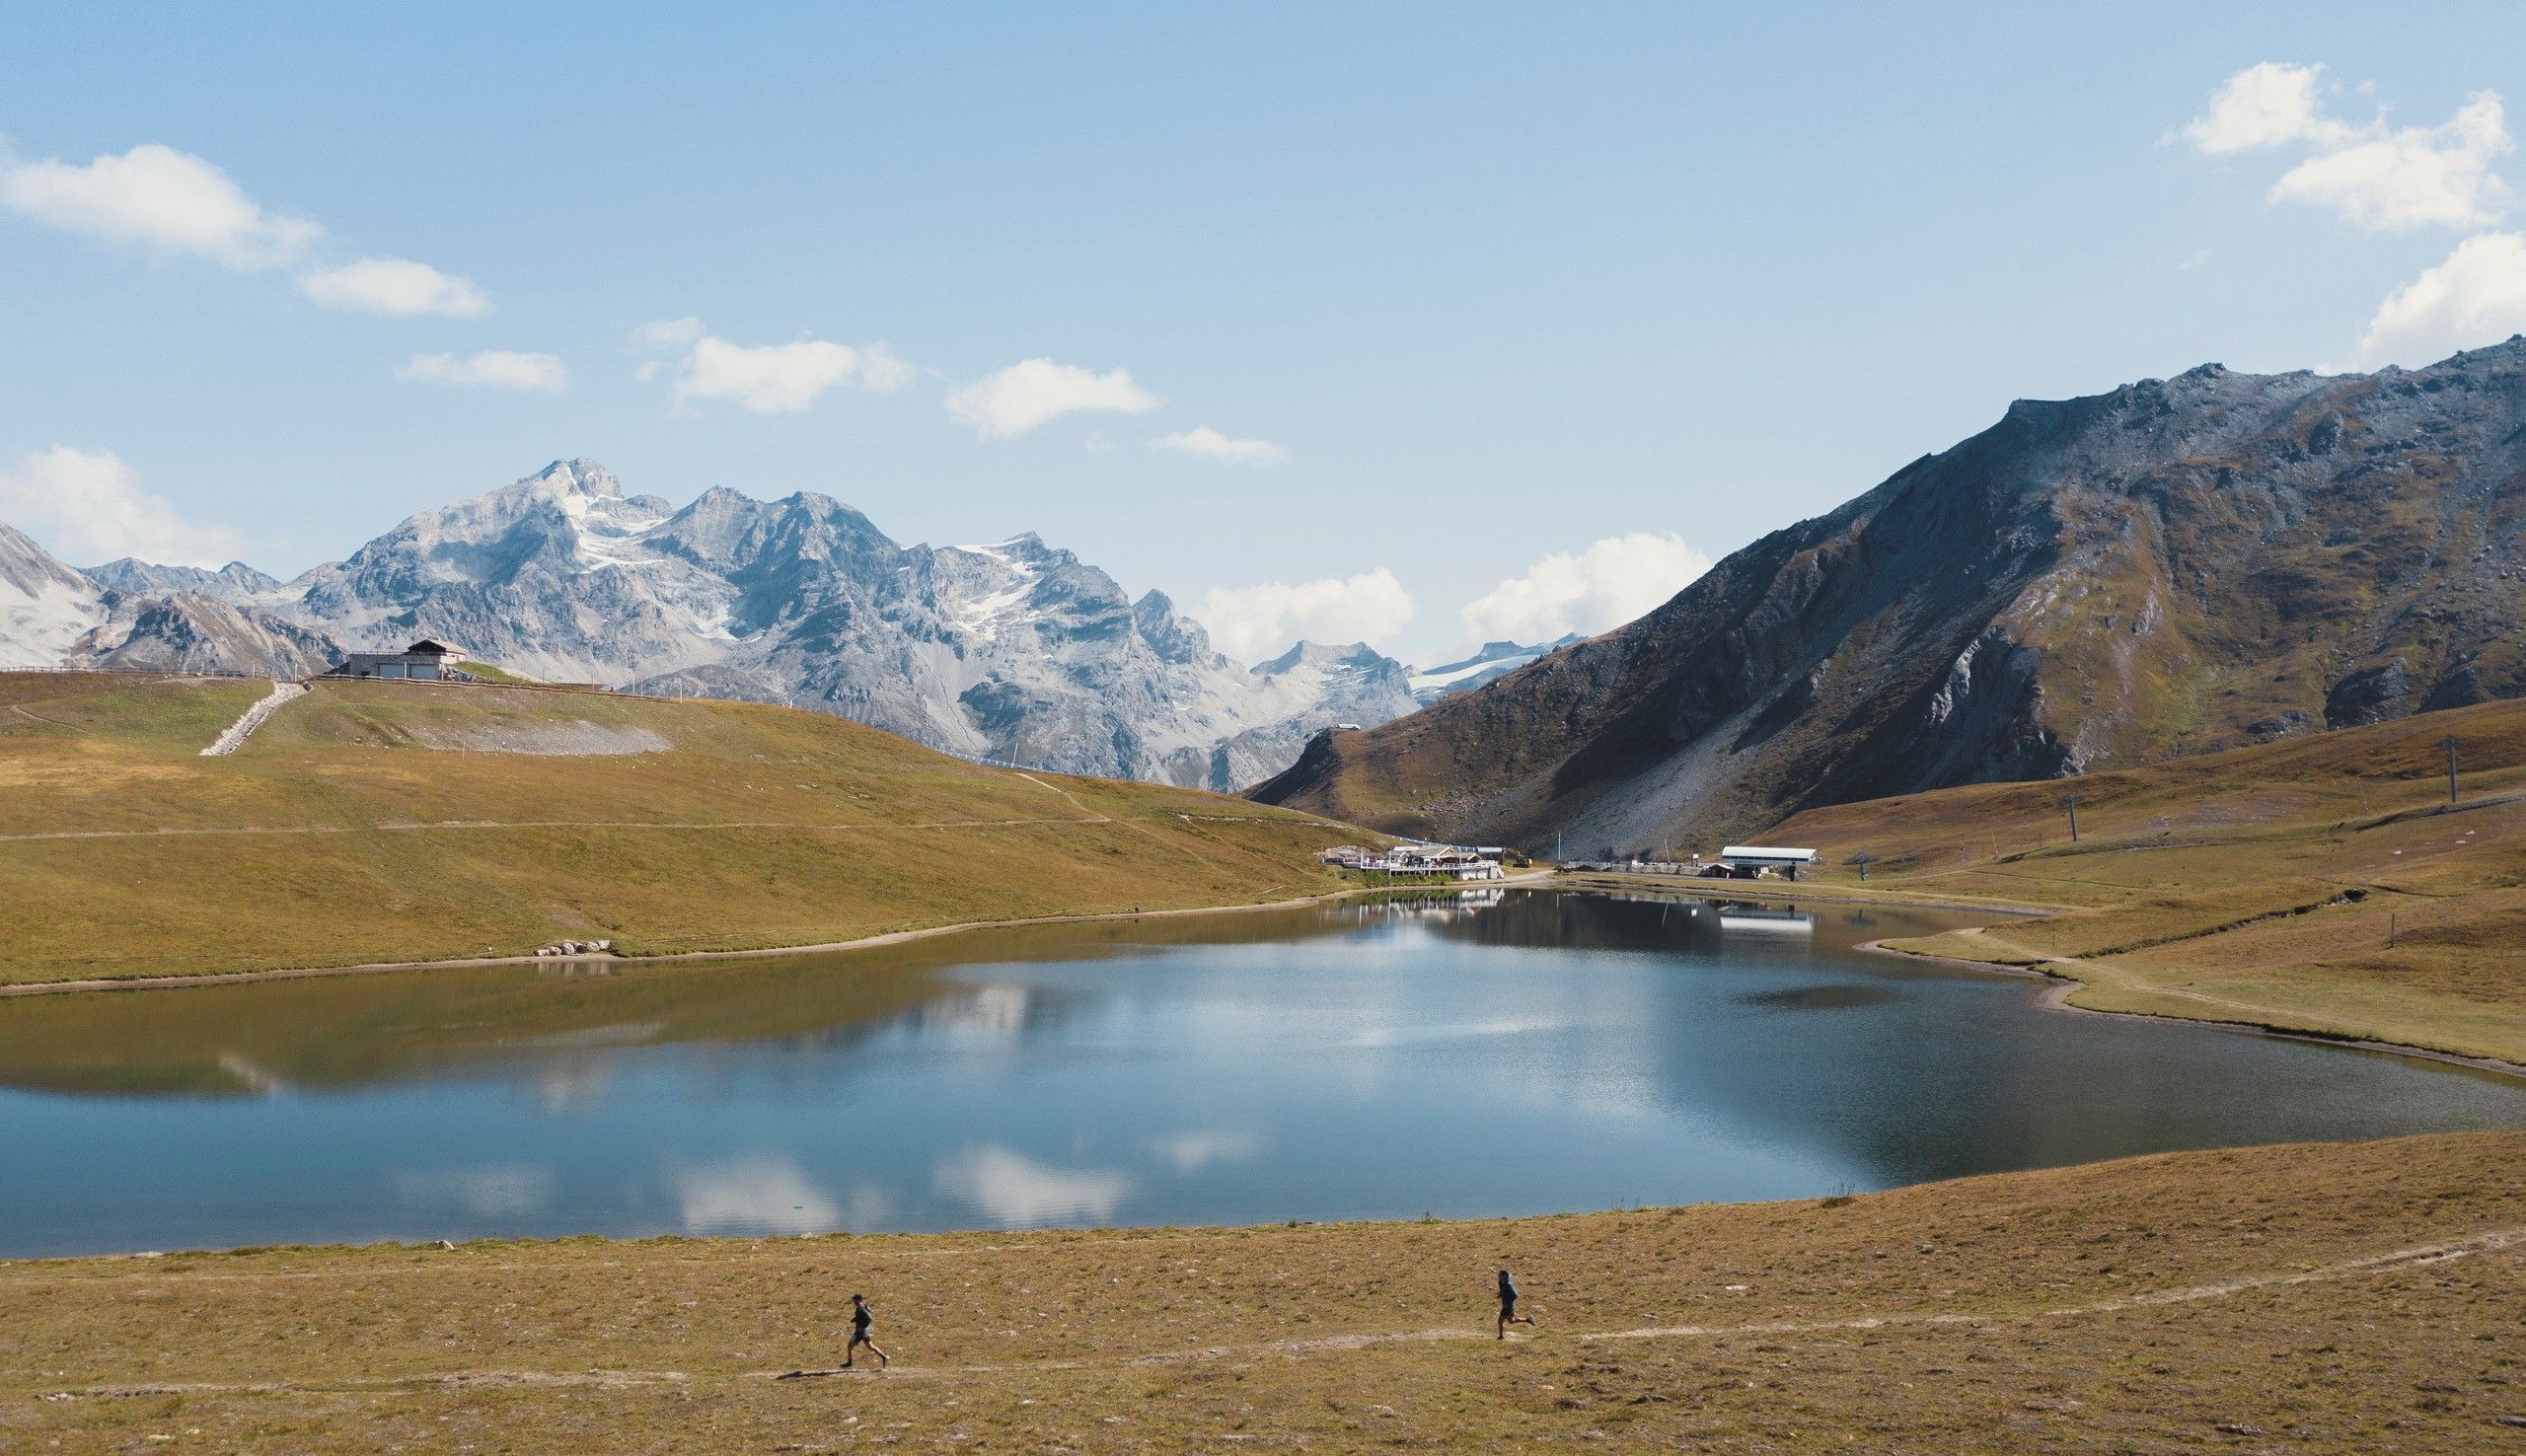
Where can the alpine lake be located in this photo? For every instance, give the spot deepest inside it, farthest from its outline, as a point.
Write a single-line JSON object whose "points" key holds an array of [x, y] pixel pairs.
{"points": [[1494, 1051]]}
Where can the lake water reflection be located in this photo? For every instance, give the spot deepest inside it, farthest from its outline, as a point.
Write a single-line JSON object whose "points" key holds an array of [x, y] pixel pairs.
{"points": [[1505, 1053]]}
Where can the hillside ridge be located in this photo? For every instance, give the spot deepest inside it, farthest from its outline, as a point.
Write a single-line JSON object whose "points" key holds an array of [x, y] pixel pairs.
{"points": [[398, 823], [2173, 566]]}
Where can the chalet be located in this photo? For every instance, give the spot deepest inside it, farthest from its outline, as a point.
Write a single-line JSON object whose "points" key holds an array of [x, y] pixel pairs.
{"points": [[1426, 861], [1440, 862], [424, 659], [1747, 861]]}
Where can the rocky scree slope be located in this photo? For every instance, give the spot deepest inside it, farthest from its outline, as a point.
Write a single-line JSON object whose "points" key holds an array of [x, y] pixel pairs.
{"points": [[132, 615], [2177, 566]]}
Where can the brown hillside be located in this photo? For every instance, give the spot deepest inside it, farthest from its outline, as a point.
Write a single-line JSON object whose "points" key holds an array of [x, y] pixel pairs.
{"points": [[397, 822], [2320, 883], [2178, 566], [2356, 1299]]}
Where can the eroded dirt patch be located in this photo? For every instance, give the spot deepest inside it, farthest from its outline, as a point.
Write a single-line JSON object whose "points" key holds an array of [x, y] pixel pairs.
{"points": [[578, 738]]}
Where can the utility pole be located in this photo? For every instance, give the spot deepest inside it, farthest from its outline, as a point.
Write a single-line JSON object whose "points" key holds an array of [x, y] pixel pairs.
{"points": [[2449, 744], [2071, 803]]}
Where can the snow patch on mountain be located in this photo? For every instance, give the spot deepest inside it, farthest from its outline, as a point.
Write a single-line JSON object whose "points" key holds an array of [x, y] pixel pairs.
{"points": [[1014, 650], [45, 605], [1495, 660]]}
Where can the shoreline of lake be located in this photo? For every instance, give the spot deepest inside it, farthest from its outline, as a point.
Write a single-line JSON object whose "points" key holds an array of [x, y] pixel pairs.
{"points": [[2059, 988], [2056, 998], [865, 942], [1632, 1050]]}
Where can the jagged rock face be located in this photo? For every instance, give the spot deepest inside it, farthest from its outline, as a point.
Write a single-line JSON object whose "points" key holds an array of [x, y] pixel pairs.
{"points": [[1320, 686], [233, 582], [551, 576], [1016, 650], [193, 632], [2177, 566], [45, 607]]}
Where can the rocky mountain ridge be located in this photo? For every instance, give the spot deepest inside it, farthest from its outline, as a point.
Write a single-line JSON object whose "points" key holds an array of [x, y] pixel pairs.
{"points": [[1013, 651], [2173, 566]]}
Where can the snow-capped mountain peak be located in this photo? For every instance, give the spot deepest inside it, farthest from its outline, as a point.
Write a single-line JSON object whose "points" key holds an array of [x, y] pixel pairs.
{"points": [[1014, 649], [233, 582], [45, 605], [1495, 660]]}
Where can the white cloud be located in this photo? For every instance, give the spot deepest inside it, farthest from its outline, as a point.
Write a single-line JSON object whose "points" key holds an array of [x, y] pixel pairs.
{"points": [[754, 1195], [395, 286], [2476, 297], [2268, 105], [1204, 441], [176, 203], [1027, 393], [87, 507], [1191, 1153], [1611, 582], [2414, 176], [1259, 621], [2376, 177], [667, 335], [157, 198], [1015, 1192], [500, 369], [765, 378], [498, 1190]]}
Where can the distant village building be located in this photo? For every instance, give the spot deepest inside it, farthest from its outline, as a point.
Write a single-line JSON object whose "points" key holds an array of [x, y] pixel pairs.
{"points": [[1745, 862], [1421, 861], [424, 659]]}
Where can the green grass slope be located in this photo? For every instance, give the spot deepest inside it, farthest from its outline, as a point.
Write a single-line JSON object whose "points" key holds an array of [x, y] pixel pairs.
{"points": [[2319, 883], [389, 822]]}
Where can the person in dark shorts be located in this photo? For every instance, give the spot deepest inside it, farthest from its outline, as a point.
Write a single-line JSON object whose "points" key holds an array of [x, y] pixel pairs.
{"points": [[862, 1317], [1509, 1306]]}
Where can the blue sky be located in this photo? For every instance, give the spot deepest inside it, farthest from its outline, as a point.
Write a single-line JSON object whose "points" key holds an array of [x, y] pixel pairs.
{"points": [[1457, 290]]}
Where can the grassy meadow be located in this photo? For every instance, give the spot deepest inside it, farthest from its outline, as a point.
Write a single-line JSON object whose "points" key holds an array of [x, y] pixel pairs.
{"points": [[2321, 883], [389, 822], [2312, 1298]]}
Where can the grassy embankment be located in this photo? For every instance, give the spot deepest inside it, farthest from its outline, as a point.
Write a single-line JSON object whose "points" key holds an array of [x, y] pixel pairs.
{"points": [[373, 822], [2319, 884], [2350, 1298]]}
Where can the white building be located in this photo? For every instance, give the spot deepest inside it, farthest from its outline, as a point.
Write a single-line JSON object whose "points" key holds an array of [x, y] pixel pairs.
{"points": [[1748, 860]]}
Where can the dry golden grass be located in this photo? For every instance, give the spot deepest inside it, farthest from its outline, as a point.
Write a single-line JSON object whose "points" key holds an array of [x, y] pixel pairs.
{"points": [[338, 836], [2257, 886], [2323, 1299]]}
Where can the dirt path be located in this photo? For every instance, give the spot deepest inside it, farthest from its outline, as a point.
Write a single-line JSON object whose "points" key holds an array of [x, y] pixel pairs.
{"points": [[41, 718], [2249, 1018], [1066, 796], [892, 937], [234, 736], [2446, 1251], [2107, 974]]}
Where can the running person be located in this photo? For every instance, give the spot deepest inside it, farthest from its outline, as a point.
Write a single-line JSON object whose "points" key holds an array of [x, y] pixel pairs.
{"points": [[1509, 1306], [862, 1317]]}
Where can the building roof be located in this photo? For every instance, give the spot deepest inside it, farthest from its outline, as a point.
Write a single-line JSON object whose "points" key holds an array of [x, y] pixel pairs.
{"points": [[435, 649], [1758, 852]]}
